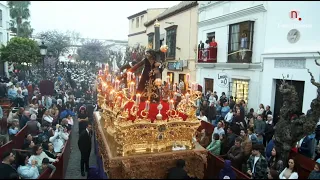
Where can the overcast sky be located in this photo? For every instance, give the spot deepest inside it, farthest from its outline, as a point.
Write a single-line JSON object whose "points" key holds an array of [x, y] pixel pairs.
{"points": [[92, 19]]}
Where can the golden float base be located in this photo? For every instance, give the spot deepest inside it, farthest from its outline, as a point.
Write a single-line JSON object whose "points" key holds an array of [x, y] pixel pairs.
{"points": [[144, 162]]}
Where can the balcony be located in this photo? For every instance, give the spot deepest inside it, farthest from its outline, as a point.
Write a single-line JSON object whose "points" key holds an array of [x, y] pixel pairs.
{"points": [[207, 55]]}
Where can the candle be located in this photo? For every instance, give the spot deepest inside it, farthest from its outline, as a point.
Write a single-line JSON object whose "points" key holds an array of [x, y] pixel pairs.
{"points": [[104, 87], [147, 105], [195, 87], [175, 96], [119, 100], [129, 74], [109, 77], [168, 79], [171, 106], [138, 99], [131, 87], [169, 86], [187, 97], [111, 95], [117, 84], [133, 76], [187, 78], [100, 72], [174, 87]]}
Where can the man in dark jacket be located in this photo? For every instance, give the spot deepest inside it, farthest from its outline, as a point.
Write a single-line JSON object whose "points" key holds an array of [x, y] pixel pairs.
{"points": [[306, 146], [84, 144], [178, 172], [235, 154], [24, 119]]}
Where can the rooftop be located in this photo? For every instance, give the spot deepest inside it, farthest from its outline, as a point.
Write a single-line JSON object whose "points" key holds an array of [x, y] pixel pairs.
{"points": [[184, 5], [143, 12]]}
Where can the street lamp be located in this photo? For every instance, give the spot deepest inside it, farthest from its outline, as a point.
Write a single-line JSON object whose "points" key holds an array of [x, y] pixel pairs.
{"points": [[43, 52]]}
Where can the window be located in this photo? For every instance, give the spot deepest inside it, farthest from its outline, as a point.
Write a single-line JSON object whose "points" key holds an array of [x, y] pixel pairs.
{"points": [[0, 18], [240, 89], [132, 23], [171, 41], [210, 36], [142, 20], [240, 42], [137, 22], [150, 40]]}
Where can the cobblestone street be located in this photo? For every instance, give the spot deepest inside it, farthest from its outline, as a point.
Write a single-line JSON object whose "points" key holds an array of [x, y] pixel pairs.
{"points": [[73, 170]]}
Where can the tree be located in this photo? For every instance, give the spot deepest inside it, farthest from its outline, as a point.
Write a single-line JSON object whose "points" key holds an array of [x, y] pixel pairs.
{"points": [[93, 51], [74, 40], [21, 50], [293, 126], [133, 54], [58, 43], [20, 13]]}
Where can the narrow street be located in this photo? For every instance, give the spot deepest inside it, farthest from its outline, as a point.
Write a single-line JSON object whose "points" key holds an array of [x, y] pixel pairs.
{"points": [[73, 170]]}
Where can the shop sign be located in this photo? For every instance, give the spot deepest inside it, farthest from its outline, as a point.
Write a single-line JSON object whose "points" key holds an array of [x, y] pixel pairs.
{"points": [[223, 80]]}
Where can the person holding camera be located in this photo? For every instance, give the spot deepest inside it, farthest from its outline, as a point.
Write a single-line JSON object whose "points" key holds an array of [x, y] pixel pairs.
{"points": [[60, 136]]}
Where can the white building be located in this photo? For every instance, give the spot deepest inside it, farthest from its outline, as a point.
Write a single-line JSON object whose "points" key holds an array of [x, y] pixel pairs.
{"points": [[254, 52], [4, 32]]}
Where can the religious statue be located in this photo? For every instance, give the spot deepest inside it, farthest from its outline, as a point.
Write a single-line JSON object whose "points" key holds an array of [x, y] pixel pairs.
{"points": [[152, 70]]}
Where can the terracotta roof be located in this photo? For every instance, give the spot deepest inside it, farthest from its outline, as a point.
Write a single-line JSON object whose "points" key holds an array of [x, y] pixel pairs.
{"points": [[184, 5]]}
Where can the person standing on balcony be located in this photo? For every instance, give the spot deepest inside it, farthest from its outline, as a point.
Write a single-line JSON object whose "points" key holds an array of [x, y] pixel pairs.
{"points": [[201, 45], [213, 43], [243, 45]]}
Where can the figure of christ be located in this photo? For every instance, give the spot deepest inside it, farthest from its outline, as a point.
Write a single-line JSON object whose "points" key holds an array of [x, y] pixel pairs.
{"points": [[150, 72]]}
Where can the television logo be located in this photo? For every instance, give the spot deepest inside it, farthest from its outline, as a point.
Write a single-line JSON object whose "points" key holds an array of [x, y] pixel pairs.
{"points": [[295, 15]]}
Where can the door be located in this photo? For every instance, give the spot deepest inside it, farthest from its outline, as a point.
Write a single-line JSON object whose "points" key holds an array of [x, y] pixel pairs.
{"points": [[208, 85], [299, 85], [171, 77]]}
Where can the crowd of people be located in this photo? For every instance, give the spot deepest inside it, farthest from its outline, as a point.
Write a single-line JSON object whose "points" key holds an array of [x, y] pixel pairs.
{"points": [[49, 118], [245, 138]]}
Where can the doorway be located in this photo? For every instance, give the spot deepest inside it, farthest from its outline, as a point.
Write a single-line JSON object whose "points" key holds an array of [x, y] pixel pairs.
{"points": [[299, 86], [171, 77], [182, 77], [208, 85]]}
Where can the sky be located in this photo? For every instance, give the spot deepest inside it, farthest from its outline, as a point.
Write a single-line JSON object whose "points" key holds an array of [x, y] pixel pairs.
{"points": [[92, 19]]}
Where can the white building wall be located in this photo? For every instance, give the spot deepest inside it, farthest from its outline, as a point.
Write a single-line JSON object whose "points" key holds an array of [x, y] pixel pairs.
{"points": [[4, 33], [297, 57]]}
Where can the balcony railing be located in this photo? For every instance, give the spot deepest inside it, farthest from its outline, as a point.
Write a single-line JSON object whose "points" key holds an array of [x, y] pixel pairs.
{"points": [[207, 55]]}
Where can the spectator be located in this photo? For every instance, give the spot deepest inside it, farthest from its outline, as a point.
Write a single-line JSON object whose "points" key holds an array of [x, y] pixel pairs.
{"points": [[49, 150], [202, 116], [269, 129], [3, 140], [290, 172], [235, 154], [33, 109], [24, 119], [253, 137], [275, 162], [47, 119], [205, 138], [59, 138], [246, 144], [227, 171], [27, 141], [231, 102], [20, 99], [25, 170], [45, 134], [178, 172], [269, 148], [14, 128], [315, 174], [215, 146], [39, 155], [257, 165], [230, 139], [12, 93], [33, 126], [6, 168], [259, 128], [218, 130], [82, 119], [28, 146], [304, 147], [46, 164], [1, 113], [229, 117]]}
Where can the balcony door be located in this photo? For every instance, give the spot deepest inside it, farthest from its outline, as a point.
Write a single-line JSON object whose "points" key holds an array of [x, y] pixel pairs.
{"points": [[208, 85]]}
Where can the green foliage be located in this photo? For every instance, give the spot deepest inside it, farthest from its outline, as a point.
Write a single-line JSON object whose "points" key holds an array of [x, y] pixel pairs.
{"points": [[58, 43], [93, 51], [21, 50], [139, 52], [20, 13]]}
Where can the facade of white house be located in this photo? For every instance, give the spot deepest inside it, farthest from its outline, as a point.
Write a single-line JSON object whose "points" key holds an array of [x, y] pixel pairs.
{"points": [[4, 32], [280, 46], [236, 67], [290, 49]]}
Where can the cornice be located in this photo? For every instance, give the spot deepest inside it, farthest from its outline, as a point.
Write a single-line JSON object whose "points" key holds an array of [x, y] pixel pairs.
{"points": [[231, 16]]}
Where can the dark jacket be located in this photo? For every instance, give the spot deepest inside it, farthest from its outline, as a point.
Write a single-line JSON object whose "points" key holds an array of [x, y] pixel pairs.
{"points": [[227, 171], [235, 155], [314, 175], [33, 128], [230, 140], [261, 167], [269, 131], [84, 142], [305, 148], [177, 173], [23, 121]]}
